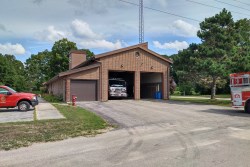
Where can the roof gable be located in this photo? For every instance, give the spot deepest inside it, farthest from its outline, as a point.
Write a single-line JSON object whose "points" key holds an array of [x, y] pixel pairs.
{"points": [[143, 46]]}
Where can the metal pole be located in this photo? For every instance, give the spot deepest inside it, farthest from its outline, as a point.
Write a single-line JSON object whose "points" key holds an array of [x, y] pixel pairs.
{"points": [[141, 22]]}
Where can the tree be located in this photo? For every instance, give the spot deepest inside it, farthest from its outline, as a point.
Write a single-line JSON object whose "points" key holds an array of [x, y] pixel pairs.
{"points": [[225, 49], [89, 54], [37, 69], [43, 66], [240, 56], [218, 38], [12, 72], [184, 72], [59, 60]]}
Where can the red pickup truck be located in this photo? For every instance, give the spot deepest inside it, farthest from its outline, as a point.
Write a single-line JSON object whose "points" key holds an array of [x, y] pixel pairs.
{"points": [[9, 98]]}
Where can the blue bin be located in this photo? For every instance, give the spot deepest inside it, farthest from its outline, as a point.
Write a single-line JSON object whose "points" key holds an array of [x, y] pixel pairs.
{"points": [[155, 95], [158, 95]]}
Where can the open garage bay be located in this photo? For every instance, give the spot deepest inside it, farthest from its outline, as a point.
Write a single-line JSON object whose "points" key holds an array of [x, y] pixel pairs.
{"points": [[128, 77], [151, 83]]}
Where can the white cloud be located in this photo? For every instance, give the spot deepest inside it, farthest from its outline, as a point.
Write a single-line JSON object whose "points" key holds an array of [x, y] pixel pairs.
{"points": [[82, 29], [13, 49], [81, 33], [177, 45], [89, 39], [50, 34], [183, 28], [101, 44]]}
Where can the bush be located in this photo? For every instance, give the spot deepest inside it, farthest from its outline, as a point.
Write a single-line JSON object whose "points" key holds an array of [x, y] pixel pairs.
{"points": [[36, 92], [187, 89], [52, 98], [177, 91], [43, 90]]}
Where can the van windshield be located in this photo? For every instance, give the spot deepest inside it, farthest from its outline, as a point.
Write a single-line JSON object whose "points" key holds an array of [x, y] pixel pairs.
{"points": [[117, 83]]}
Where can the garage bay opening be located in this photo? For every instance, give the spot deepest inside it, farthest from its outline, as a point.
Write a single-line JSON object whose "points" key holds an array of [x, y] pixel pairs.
{"points": [[121, 85], [151, 85]]}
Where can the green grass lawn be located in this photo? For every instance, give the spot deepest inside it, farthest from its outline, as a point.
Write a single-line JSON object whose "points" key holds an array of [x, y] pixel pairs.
{"points": [[203, 101], [217, 96], [78, 122]]}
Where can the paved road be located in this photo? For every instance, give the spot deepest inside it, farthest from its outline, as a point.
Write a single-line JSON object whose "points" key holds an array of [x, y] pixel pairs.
{"points": [[150, 134]]}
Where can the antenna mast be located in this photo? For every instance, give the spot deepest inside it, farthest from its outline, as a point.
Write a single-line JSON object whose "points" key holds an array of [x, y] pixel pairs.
{"points": [[141, 22]]}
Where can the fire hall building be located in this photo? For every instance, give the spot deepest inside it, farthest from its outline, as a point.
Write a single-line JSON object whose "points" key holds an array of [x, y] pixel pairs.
{"points": [[144, 71]]}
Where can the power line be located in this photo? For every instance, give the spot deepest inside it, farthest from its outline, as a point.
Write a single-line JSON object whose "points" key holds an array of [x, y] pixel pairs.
{"points": [[203, 4], [215, 7], [242, 2], [188, 18], [232, 5]]}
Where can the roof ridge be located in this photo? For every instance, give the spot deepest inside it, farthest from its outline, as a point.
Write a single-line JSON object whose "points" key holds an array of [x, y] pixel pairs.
{"points": [[141, 46], [122, 49]]}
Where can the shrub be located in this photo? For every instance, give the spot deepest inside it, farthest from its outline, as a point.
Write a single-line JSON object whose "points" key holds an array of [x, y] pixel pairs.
{"points": [[52, 98], [43, 90]]}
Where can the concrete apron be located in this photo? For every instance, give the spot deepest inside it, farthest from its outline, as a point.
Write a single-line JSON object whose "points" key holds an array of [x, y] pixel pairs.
{"points": [[46, 110]]}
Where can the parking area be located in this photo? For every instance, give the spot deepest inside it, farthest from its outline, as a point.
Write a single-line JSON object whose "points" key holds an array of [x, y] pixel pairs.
{"points": [[130, 113], [44, 110], [150, 133], [13, 115], [169, 133]]}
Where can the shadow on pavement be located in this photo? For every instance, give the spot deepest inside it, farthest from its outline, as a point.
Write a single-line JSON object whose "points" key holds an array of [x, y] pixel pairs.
{"points": [[230, 112], [220, 110], [13, 110]]}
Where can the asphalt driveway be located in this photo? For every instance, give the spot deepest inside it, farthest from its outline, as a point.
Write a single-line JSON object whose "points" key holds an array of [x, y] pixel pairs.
{"points": [[150, 134]]}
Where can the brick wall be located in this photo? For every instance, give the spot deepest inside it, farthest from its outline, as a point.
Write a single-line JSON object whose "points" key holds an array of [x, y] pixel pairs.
{"points": [[61, 87], [136, 60], [88, 74], [91, 74], [132, 61], [67, 89], [56, 87]]}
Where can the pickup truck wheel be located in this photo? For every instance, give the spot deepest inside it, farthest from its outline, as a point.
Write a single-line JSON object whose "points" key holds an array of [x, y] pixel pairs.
{"points": [[247, 106], [23, 106]]}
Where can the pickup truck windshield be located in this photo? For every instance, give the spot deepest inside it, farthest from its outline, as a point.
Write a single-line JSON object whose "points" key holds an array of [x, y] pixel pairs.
{"points": [[11, 89]]}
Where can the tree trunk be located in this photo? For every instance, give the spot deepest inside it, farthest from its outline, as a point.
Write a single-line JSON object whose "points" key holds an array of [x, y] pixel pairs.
{"points": [[213, 88]]}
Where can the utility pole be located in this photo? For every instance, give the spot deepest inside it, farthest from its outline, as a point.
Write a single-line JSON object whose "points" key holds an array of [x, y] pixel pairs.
{"points": [[141, 22]]}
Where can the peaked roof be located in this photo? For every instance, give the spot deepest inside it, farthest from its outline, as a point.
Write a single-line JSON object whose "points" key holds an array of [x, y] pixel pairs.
{"points": [[72, 71], [143, 46], [93, 64]]}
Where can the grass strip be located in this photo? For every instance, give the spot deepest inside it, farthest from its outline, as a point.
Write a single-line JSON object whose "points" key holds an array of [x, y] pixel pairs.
{"points": [[78, 122], [226, 103], [35, 115], [208, 96]]}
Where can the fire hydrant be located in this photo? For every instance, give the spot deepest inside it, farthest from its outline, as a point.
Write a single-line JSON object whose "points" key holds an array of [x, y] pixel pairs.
{"points": [[74, 100]]}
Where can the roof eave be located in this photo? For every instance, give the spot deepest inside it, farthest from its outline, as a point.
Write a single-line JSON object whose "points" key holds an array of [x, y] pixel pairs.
{"points": [[79, 69], [51, 80]]}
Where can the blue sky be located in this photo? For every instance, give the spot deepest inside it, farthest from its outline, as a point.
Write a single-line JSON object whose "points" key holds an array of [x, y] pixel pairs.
{"points": [[30, 26]]}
